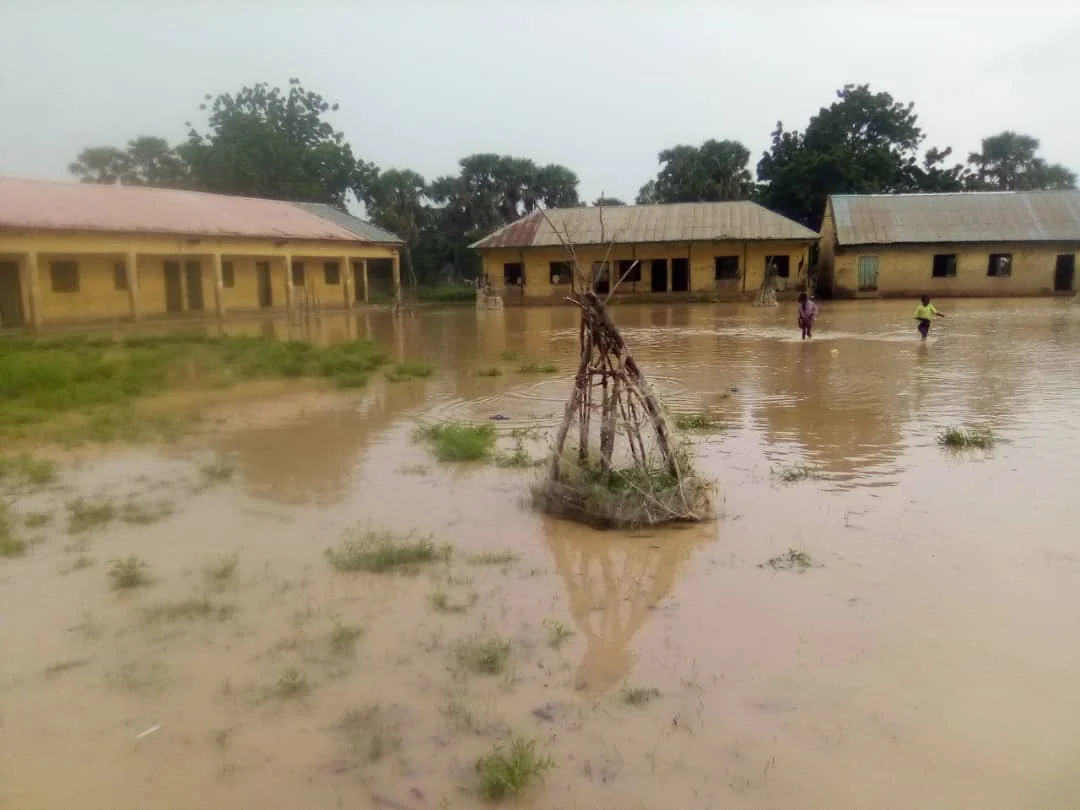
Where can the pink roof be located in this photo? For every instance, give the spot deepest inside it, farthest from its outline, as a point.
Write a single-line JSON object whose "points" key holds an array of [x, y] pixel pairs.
{"points": [[53, 206]]}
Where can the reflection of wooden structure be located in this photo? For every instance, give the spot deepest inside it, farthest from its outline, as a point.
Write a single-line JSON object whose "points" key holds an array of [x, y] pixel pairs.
{"points": [[613, 583]]}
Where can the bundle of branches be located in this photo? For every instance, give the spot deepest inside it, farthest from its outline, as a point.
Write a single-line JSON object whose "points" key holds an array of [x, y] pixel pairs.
{"points": [[627, 470]]}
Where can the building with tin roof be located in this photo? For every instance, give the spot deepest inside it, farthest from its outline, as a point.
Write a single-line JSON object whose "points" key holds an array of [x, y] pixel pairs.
{"points": [[984, 243], [74, 252], [682, 250]]}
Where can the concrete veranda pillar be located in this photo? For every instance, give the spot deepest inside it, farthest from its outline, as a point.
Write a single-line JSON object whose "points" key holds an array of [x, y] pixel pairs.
{"points": [[289, 293], [219, 286], [364, 279], [397, 278], [131, 267], [33, 289], [347, 281]]}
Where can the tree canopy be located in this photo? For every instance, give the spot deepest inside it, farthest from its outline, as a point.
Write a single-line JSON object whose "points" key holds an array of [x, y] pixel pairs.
{"points": [[147, 161], [1008, 162], [713, 172]]}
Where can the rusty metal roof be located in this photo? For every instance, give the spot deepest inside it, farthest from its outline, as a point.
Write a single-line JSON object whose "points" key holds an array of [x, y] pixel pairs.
{"points": [[678, 222], [52, 206], [972, 216]]}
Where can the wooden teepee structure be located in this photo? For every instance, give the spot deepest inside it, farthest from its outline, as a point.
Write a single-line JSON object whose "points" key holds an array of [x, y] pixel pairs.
{"points": [[627, 468]]}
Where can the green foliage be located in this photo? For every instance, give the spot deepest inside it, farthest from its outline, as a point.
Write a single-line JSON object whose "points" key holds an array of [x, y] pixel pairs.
{"points": [[86, 515], [696, 421], [504, 557], [713, 172], [484, 656], [791, 560], [26, 470], [505, 772], [607, 201], [147, 161], [199, 607], [959, 438], [794, 473], [1008, 162], [10, 544], [130, 572], [343, 638], [409, 371], [518, 458], [557, 633], [537, 368], [265, 142], [455, 442], [447, 294], [381, 551], [639, 696]]}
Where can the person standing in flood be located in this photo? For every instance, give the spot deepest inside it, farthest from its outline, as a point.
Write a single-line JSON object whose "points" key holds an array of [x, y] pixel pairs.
{"points": [[924, 313], [807, 313]]}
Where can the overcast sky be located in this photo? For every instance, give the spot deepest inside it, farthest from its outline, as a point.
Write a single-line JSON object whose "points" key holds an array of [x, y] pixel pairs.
{"points": [[597, 85]]}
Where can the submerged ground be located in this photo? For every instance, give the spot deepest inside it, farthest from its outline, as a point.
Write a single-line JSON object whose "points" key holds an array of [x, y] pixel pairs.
{"points": [[913, 644]]}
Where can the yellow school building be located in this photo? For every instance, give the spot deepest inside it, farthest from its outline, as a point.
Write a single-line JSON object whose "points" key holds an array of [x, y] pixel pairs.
{"points": [[661, 252], [73, 252], [986, 243]]}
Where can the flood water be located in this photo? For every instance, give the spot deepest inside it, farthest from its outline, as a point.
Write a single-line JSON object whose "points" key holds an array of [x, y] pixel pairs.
{"points": [[929, 658]]}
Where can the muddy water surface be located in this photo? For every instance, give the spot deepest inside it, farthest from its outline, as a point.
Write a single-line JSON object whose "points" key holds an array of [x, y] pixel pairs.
{"points": [[929, 658]]}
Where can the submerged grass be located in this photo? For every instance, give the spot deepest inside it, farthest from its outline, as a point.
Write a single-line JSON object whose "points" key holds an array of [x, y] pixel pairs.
{"points": [[537, 368], [697, 422], [791, 560], [493, 371], [484, 656], [86, 515], [557, 633], [505, 772], [198, 607], [409, 371], [10, 544], [518, 459], [794, 473], [343, 638], [454, 441], [504, 557], [967, 438], [81, 388], [380, 551], [130, 572], [639, 696], [27, 470]]}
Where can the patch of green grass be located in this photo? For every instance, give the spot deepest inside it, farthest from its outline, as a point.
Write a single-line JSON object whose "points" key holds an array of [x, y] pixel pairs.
{"points": [[10, 545], [188, 609], [794, 473], [446, 294], [142, 513], [518, 459], [130, 572], [292, 683], [484, 656], [37, 520], [343, 638], [220, 572], [493, 371], [504, 557], [509, 355], [86, 515], [697, 422], [639, 696], [964, 438], [409, 371], [537, 368], [791, 560], [382, 551], [456, 442], [27, 470], [442, 603], [217, 471], [505, 772], [79, 388], [557, 633]]}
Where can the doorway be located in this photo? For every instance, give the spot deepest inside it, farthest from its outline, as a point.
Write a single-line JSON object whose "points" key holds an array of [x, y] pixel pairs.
{"points": [[265, 283], [174, 288], [1065, 272], [358, 282], [658, 275], [680, 275], [11, 302], [193, 277]]}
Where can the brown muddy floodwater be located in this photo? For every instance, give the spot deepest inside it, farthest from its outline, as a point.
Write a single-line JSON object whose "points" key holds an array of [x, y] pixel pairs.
{"points": [[929, 658]]}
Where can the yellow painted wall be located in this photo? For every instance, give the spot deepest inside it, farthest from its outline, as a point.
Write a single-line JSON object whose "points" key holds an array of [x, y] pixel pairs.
{"points": [[700, 255], [906, 271], [95, 255]]}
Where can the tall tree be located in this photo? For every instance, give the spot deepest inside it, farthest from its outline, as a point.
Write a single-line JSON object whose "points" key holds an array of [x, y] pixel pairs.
{"points": [[264, 142], [865, 142], [152, 162], [396, 200], [1008, 161], [99, 164], [606, 201], [713, 172]]}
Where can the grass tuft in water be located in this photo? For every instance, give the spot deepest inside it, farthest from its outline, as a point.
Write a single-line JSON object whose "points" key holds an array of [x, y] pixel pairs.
{"points": [[373, 732], [505, 772], [442, 603], [504, 557], [86, 515], [37, 520], [409, 371], [487, 656], [697, 421], [965, 438], [343, 638], [10, 544], [27, 470], [200, 607], [454, 442], [217, 471], [509, 355], [518, 459], [493, 371], [639, 696], [130, 572], [221, 571], [537, 368], [791, 560], [143, 514], [292, 683], [378, 552], [557, 633], [794, 473]]}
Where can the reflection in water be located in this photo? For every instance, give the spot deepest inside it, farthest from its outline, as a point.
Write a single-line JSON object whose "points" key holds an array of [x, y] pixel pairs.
{"points": [[613, 582]]}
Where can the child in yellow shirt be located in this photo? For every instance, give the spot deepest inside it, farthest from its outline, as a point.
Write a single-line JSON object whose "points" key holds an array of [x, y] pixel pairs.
{"points": [[924, 313]]}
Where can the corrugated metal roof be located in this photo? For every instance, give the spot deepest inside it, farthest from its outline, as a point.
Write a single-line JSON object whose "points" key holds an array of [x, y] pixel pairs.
{"points": [[46, 205], [972, 216], [679, 222], [363, 229]]}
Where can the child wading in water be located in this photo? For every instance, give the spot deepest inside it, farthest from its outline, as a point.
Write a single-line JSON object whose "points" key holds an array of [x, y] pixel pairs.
{"points": [[807, 313], [924, 313]]}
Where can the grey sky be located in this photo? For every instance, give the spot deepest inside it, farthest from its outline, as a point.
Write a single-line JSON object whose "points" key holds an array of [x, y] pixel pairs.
{"points": [[598, 86]]}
